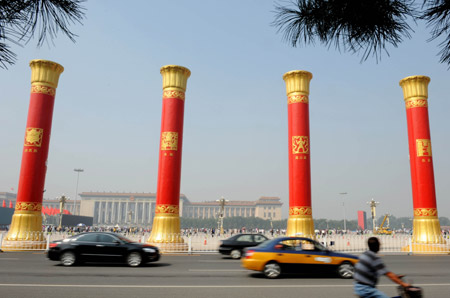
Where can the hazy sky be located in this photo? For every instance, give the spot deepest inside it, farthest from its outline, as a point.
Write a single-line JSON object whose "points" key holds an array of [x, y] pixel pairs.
{"points": [[107, 112]]}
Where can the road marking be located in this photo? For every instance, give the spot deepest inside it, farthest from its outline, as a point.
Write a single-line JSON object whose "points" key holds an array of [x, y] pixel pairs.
{"points": [[212, 261], [205, 286], [218, 270]]}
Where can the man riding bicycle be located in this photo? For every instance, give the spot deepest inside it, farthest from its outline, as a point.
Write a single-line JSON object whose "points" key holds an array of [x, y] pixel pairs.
{"points": [[367, 271]]}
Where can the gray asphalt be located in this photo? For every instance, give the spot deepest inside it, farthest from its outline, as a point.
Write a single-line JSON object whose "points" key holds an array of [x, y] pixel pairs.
{"points": [[27, 274]]}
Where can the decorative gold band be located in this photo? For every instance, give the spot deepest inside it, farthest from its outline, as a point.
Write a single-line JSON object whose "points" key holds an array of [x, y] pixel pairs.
{"points": [[425, 212], [28, 206], [300, 210], [298, 97], [416, 102], [171, 209], [173, 94], [43, 90]]}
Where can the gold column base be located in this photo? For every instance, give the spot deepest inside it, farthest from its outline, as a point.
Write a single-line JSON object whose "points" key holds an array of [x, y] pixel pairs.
{"points": [[300, 225], [427, 237], [25, 232], [427, 230], [166, 233], [427, 249]]}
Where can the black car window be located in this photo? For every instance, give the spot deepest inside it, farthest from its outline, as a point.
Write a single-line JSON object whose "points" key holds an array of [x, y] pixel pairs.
{"points": [[88, 238], [260, 238], [106, 238], [244, 238]]}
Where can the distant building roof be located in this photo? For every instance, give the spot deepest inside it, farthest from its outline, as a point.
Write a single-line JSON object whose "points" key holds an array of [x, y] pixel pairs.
{"points": [[260, 201], [120, 194]]}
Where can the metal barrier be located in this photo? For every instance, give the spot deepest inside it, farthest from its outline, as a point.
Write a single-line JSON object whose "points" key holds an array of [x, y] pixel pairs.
{"points": [[206, 243]]}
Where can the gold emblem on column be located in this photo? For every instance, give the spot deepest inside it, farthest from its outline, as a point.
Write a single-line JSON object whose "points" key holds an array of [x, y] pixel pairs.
{"points": [[33, 136], [423, 147], [300, 145], [169, 140]]}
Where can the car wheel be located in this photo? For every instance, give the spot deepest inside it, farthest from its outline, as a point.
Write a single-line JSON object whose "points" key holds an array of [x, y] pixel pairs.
{"points": [[235, 254], [346, 270], [68, 258], [272, 270], [134, 259]]}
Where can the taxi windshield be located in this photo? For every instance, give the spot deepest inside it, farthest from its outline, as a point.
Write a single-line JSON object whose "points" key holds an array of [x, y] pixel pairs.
{"points": [[268, 243]]}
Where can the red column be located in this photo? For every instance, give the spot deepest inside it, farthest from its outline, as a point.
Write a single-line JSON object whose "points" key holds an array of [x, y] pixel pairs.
{"points": [[426, 227], [300, 220], [166, 224], [26, 225]]}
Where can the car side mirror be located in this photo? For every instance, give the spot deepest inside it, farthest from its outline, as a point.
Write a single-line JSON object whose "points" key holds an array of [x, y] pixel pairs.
{"points": [[117, 242]]}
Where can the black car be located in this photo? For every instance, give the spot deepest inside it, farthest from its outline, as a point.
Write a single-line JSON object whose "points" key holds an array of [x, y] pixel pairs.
{"points": [[234, 245], [101, 247]]}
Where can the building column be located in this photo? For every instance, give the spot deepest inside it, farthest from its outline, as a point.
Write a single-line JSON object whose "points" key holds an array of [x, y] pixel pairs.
{"points": [[166, 224], [300, 221], [26, 226], [426, 226]]}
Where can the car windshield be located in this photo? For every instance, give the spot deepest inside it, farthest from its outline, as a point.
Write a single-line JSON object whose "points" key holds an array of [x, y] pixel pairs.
{"points": [[126, 240]]}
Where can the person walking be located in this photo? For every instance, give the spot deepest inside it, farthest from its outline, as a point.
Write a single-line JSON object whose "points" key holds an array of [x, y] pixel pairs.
{"points": [[367, 271]]}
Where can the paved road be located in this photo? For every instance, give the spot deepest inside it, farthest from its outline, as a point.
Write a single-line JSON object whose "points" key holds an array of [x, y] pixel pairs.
{"points": [[27, 274]]}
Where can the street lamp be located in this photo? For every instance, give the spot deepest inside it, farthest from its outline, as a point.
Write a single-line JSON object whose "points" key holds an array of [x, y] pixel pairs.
{"points": [[343, 206], [62, 202], [222, 202], [373, 207], [76, 191]]}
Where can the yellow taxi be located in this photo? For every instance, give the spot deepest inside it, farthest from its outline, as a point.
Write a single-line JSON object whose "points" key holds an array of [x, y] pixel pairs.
{"points": [[297, 255]]}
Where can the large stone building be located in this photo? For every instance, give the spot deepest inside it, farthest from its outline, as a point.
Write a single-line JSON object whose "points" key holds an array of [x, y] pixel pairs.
{"points": [[264, 207], [108, 208]]}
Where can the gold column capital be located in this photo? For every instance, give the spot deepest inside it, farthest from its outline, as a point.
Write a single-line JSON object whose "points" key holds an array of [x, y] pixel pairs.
{"points": [[297, 81], [415, 87], [175, 77], [45, 72]]}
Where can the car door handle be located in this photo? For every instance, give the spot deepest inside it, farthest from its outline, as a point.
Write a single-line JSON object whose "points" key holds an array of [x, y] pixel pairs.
{"points": [[308, 256], [279, 254], [99, 245]]}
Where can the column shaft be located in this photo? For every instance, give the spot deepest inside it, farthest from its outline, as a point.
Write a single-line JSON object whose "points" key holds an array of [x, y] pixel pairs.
{"points": [[26, 224], [300, 220], [426, 227], [166, 224]]}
